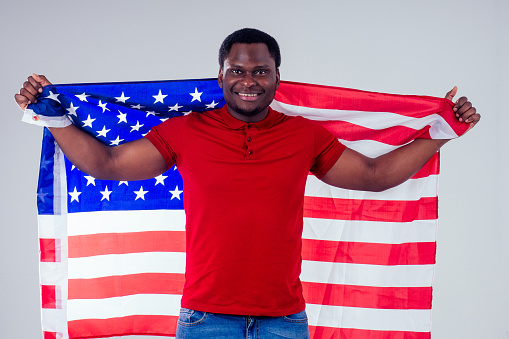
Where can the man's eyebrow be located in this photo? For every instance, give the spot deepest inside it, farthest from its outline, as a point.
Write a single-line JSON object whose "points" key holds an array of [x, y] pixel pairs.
{"points": [[240, 66]]}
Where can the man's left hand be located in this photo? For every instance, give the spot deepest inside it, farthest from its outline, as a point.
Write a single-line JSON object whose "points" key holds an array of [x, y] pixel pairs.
{"points": [[463, 109]]}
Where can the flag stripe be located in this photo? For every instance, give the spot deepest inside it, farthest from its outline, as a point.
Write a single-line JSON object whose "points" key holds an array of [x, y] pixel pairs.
{"points": [[130, 263], [155, 304], [369, 253], [376, 210], [369, 231], [367, 275], [322, 332], [118, 286], [119, 243], [368, 318], [83, 223], [412, 189], [135, 324], [373, 125], [49, 250], [367, 296]]}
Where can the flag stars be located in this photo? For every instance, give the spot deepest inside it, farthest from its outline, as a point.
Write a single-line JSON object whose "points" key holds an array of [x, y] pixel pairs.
{"points": [[90, 180], [75, 195], [138, 106], [160, 179], [122, 117], [122, 98], [123, 183], [72, 110], [174, 108], [212, 105], [150, 113], [103, 106], [82, 97], [88, 122], [102, 133], [136, 127], [53, 96], [116, 142], [175, 193], [159, 97], [140, 194], [196, 95], [105, 194]]}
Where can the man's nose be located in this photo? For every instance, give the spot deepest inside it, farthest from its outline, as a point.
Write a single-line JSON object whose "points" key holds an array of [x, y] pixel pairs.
{"points": [[248, 80]]}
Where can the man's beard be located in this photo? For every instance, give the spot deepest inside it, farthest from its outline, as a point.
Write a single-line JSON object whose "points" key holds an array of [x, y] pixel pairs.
{"points": [[246, 113]]}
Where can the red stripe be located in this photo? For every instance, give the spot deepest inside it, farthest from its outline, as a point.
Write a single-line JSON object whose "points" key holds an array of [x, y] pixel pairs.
{"points": [[338, 98], [51, 335], [320, 332], [48, 248], [367, 296], [118, 286], [371, 210], [132, 325], [419, 253], [396, 135], [119, 243], [49, 296], [432, 167]]}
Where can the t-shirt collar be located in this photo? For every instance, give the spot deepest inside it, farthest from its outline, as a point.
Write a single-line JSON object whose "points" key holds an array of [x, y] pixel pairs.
{"points": [[235, 123]]}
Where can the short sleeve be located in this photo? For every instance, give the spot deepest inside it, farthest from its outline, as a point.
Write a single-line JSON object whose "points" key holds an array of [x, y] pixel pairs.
{"points": [[166, 138], [327, 149]]}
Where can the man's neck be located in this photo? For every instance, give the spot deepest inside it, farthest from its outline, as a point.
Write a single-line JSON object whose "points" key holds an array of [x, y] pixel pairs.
{"points": [[255, 118]]}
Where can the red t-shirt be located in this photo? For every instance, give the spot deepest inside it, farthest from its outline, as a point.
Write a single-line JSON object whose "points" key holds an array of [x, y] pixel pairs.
{"points": [[243, 196]]}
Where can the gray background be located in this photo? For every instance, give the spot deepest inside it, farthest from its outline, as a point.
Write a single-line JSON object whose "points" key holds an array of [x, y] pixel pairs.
{"points": [[409, 47]]}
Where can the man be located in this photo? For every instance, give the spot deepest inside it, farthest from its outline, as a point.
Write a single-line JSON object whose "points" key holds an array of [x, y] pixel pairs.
{"points": [[244, 168]]}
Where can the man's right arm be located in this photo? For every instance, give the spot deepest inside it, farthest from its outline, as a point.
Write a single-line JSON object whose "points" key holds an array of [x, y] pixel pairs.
{"points": [[136, 160]]}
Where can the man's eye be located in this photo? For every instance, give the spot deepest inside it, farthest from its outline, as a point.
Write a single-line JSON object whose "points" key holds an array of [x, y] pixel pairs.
{"points": [[235, 71], [261, 72]]}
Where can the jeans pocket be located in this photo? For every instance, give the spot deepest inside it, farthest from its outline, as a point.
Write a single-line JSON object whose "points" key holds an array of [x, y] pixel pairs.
{"points": [[188, 317], [300, 317]]}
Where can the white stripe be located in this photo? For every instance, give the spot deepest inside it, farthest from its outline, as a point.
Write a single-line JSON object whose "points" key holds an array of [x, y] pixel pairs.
{"points": [[412, 189], [371, 120], [138, 304], [122, 264], [367, 275], [126, 221], [369, 148], [370, 231], [369, 318]]}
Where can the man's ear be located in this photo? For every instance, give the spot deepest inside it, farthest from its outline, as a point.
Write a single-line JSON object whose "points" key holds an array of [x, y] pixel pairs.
{"points": [[220, 77], [278, 78]]}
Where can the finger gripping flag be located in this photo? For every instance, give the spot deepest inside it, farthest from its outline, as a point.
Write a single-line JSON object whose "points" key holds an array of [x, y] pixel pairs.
{"points": [[112, 254]]}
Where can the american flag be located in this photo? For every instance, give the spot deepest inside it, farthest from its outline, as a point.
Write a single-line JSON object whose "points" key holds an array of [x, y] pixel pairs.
{"points": [[112, 254]]}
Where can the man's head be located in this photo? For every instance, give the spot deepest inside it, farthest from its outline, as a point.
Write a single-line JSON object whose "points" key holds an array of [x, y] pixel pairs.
{"points": [[249, 73], [249, 36]]}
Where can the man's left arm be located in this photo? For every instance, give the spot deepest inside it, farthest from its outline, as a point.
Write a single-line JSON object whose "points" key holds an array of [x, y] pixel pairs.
{"points": [[357, 172]]}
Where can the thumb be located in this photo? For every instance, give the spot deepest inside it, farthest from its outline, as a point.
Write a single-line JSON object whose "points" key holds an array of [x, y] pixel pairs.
{"points": [[41, 79], [450, 95]]}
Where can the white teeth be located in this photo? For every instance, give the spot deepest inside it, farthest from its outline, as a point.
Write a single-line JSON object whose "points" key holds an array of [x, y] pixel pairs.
{"points": [[248, 95]]}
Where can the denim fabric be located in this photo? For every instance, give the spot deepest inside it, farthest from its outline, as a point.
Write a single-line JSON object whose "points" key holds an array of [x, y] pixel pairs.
{"points": [[198, 325]]}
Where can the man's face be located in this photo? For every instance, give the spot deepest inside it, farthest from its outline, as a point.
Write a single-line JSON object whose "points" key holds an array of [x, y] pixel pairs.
{"points": [[249, 80]]}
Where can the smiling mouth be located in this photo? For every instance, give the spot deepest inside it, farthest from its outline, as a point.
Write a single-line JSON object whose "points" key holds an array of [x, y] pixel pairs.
{"points": [[248, 96]]}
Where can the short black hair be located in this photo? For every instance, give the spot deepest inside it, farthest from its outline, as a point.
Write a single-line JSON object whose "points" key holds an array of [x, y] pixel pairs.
{"points": [[249, 36]]}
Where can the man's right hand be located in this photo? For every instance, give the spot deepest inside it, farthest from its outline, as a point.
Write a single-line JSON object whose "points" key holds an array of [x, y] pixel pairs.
{"points": [[30, 91]]}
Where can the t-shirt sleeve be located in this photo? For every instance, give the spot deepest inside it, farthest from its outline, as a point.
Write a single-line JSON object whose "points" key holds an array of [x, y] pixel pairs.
{"points": [[166, 138], [327, 149]]}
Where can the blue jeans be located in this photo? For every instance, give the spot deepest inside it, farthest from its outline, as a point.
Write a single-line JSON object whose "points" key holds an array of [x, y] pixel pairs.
{"points": [[199, 325]]}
